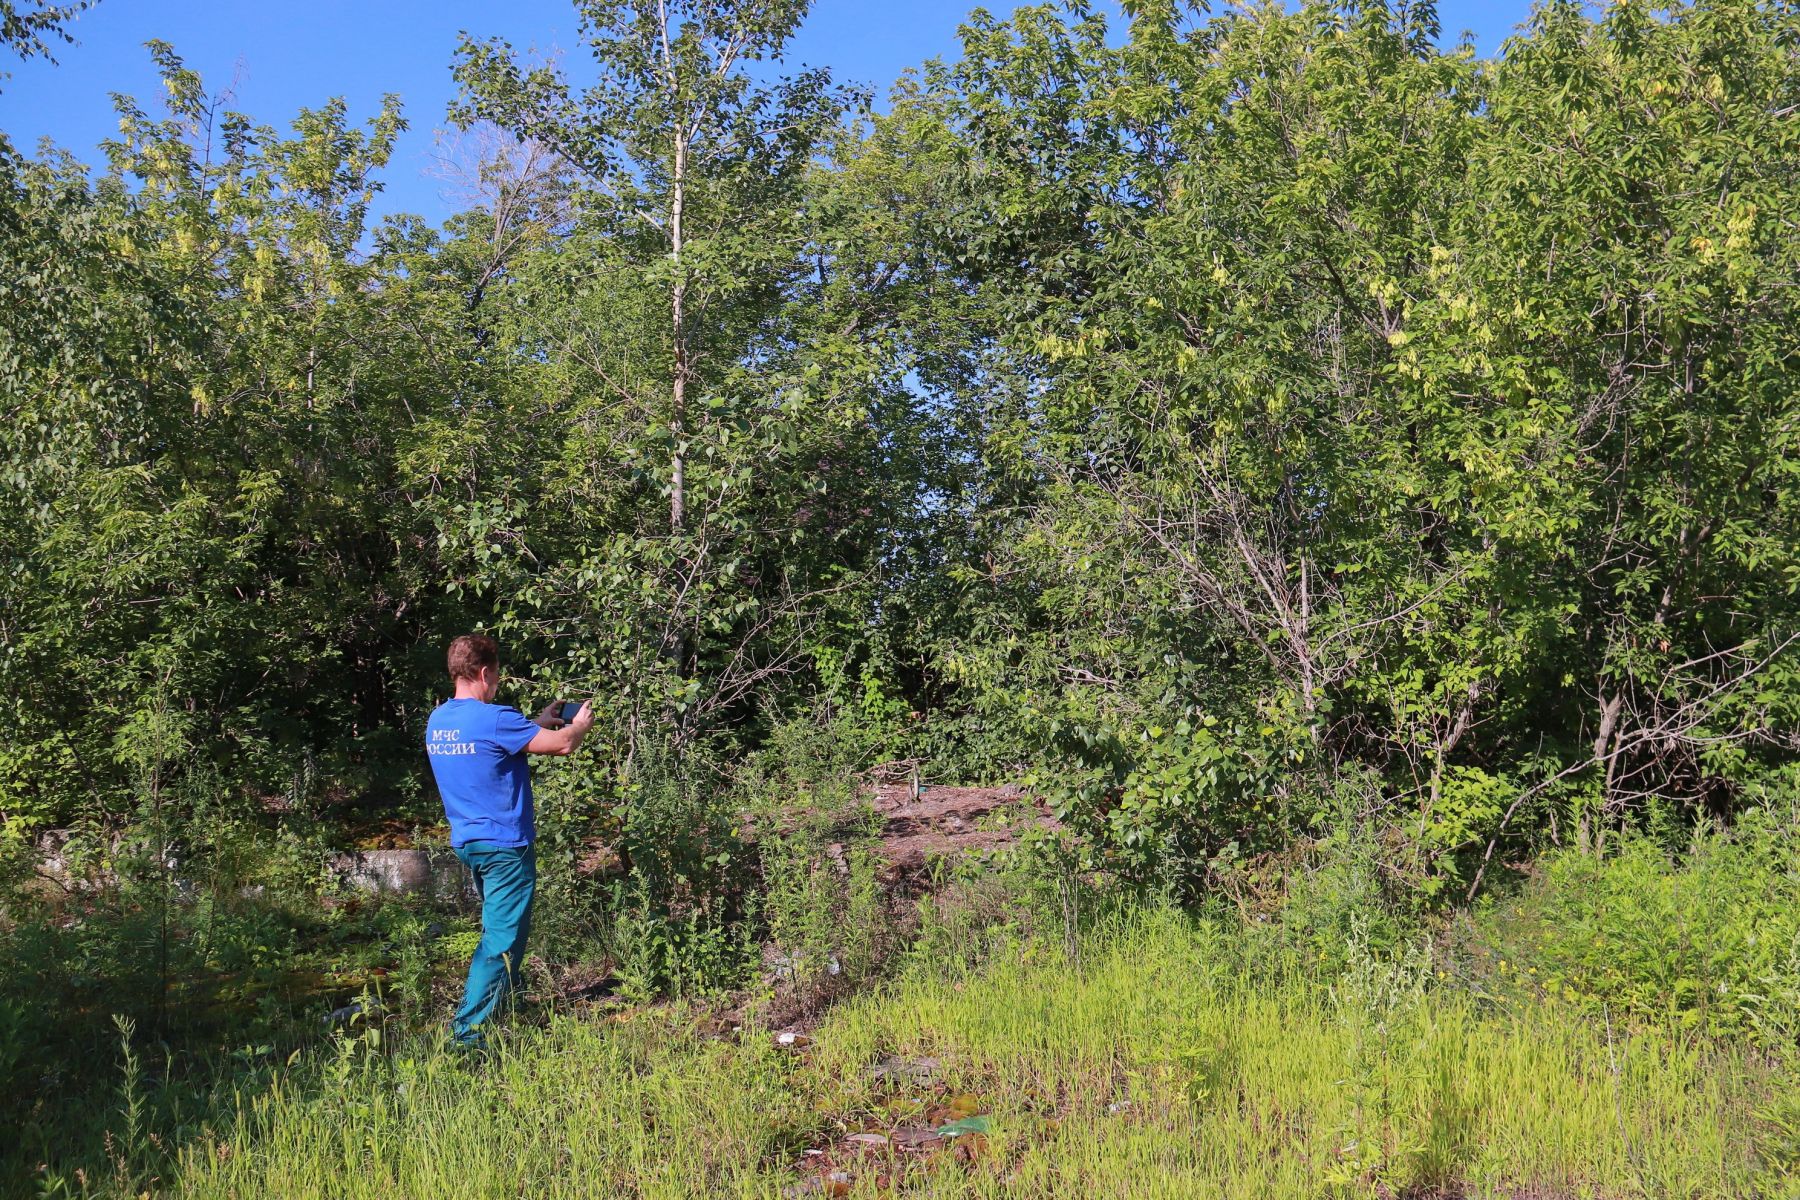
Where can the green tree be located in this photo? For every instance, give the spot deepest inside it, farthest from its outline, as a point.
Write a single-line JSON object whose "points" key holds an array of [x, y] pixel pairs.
{"points": [[1325, 474], [31, 27], [207, 384], [710, 423]]}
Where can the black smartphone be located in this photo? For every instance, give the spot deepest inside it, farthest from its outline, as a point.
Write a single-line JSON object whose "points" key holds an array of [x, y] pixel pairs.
{"points": [[568, 710]]}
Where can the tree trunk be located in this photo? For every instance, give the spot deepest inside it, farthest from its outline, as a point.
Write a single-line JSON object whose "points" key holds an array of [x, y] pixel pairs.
{"points": [[1591, 834], [678, 330]]}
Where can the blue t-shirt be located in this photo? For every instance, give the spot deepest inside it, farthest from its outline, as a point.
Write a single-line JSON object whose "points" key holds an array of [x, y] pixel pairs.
{"points": [[477, 752]]}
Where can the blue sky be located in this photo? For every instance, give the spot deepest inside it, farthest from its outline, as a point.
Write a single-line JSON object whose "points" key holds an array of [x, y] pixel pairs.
{"points": [[280, 55]]}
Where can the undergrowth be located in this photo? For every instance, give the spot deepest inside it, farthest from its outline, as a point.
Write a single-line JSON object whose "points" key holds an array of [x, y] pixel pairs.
{"points": [[1169, 1060], [1610, 1026]]}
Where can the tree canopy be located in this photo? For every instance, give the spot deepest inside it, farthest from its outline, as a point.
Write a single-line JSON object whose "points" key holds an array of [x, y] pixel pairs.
{"points": [[1245, 418]]}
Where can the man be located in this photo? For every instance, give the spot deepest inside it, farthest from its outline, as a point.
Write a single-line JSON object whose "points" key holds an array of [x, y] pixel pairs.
{"points": [[477, 750]]}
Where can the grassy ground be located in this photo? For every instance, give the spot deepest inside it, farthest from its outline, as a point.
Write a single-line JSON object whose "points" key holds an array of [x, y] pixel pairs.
{"points": [[1163, 1064]]}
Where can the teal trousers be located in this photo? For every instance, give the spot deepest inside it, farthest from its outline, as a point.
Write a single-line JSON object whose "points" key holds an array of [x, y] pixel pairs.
{"points": [[506, 878]]}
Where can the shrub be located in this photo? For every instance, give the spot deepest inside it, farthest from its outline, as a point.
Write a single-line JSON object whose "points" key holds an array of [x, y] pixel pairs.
{"points": [[1157, 802], [675, 923], [1708, 938]]}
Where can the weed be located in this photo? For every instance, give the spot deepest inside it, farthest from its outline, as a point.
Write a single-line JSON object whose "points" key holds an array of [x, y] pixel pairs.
{"points": [[825, 912], [1150, 1069], [1709, 941]]}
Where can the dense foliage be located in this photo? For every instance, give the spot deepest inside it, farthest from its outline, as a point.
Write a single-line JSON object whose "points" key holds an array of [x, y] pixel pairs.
{"points": [[1395, 408], [1333, 467], [1210, 410]]}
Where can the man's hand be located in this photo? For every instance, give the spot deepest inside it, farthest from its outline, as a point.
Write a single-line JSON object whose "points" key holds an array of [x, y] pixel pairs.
{"points": [[551, 717], [584, 720], [563, 740]]}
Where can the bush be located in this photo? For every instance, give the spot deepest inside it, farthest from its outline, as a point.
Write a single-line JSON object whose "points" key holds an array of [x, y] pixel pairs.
{"points": [[1708, 939], [1361, 886], [1157, 803], [676, 923]]}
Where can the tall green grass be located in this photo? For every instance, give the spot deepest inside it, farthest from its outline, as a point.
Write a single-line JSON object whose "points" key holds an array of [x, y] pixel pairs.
{"points": [[1159, 1065], [1152, 1071], [642, 1107]]}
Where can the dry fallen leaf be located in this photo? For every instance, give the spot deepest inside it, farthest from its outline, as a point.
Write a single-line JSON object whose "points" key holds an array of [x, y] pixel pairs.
{"points": [[868, 1139], [969, 1147], [965, 1105]]}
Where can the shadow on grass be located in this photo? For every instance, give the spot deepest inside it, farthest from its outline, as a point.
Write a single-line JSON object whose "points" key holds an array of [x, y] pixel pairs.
{"points": [[129, 1030]]}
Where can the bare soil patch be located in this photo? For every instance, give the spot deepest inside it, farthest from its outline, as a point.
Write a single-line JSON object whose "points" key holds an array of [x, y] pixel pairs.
{"points": [[928, 822]]}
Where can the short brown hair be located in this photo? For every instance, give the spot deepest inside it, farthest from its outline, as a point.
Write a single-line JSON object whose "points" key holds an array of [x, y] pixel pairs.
{"points": [[470, 653]]}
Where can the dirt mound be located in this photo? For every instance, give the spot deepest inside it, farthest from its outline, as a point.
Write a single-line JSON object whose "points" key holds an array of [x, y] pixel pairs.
{"points": [[929, 821], [919, 824]]}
